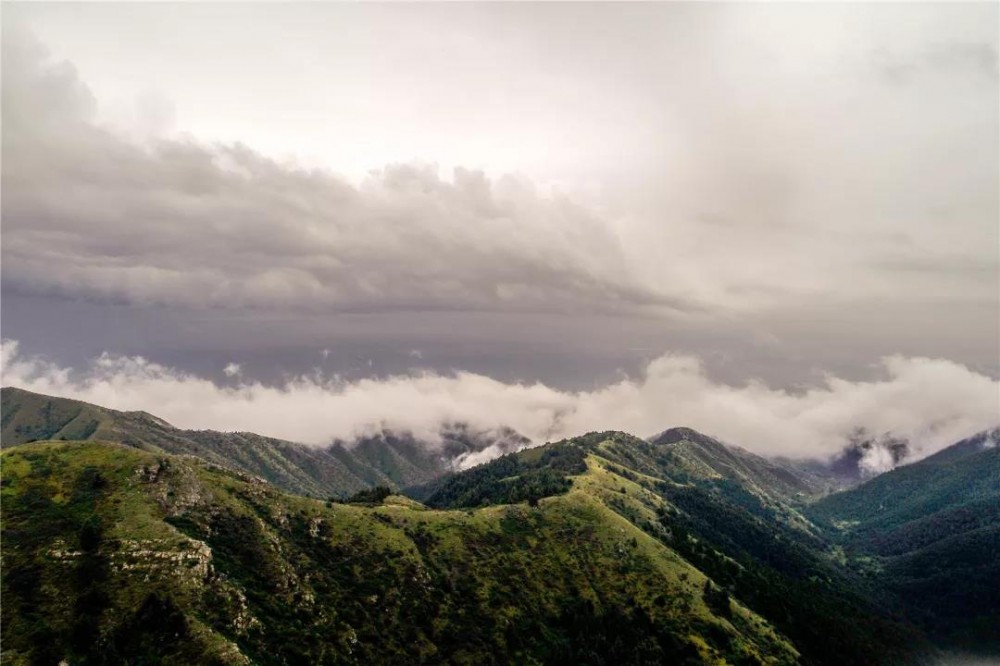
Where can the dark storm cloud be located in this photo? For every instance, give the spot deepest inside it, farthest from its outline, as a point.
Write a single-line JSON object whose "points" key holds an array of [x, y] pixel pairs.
{"points": [[89, 214], [780, 192], [778, 170]]}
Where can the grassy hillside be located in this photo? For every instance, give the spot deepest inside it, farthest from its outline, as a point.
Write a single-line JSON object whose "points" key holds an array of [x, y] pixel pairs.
{"points": [[29, 417], [721, 512], [113, 554], [685, 453]]}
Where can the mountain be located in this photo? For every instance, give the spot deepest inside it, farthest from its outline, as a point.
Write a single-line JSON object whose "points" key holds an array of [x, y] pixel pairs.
{"points": [[968, 446], [689, 454], [964, 473], [723, 511], [930, 533], [385, 458], [114, 554], [297, 468], [163, 545], [863, 456]]}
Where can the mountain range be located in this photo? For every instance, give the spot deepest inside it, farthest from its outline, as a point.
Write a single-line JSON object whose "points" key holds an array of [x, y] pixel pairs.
{"points": [[126, 540], [344, 467]]}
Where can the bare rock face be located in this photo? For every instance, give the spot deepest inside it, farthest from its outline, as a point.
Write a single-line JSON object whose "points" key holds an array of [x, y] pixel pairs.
{"points": [[174, 485]]}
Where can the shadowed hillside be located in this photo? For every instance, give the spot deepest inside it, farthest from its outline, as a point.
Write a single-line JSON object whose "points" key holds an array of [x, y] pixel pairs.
{"points": [[930, 532]]}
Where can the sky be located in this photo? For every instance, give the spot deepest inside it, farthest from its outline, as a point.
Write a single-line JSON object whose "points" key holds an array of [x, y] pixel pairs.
{"points": [[773, 222]]}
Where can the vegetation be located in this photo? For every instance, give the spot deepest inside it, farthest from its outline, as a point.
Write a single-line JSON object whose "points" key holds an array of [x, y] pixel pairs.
{"points": [[930, 533], [338, 470], [509, 479], [830, 616], [601, 549], [369, 496], [108, 551]]}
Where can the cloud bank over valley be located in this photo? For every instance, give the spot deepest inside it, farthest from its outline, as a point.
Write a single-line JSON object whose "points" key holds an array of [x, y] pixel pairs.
{"points": [[930, 402]]}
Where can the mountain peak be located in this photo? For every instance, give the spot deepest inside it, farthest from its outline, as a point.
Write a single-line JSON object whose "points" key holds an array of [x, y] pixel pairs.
{"points": [[682, 433]]}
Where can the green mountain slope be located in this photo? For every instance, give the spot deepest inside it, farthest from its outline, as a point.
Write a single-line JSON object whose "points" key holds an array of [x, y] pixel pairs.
{"points": [[115, 555], [685, 453], [718, 510], [28, 417], [916, 492], [930, 532], [603, 549]]}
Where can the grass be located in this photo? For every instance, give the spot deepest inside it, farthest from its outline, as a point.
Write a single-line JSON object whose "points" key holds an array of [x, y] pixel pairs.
{"points": [[256, 573]]}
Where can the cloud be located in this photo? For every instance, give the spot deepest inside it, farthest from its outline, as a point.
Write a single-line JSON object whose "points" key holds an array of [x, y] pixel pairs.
{"points": [[177, 222], [812, 186], [876, 460], [792, 174], [232, 370], [931, 403]]}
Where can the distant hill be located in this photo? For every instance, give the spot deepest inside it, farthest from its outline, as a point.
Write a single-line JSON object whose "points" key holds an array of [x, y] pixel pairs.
{"points": [[965, 472], [971, 445], [694, 455], [345, 467], [297, 468]]}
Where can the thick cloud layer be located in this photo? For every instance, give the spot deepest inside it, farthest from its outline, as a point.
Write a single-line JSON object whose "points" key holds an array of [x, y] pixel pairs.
{"points": [[89, 214], [803, 186], [830, 155], [932, 403]]}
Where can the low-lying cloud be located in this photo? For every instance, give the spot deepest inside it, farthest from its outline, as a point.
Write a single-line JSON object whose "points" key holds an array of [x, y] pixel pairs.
{"points": [[930, 402]]}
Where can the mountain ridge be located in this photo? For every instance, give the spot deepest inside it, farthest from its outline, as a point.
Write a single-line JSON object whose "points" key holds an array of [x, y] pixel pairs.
{"points": [[339, 469]]}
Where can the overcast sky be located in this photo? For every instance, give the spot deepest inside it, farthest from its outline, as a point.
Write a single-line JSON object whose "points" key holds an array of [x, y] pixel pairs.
{"points": [[577, 198]]}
